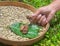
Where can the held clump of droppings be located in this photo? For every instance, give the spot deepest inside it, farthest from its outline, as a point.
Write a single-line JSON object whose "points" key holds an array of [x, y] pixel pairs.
{"points": [[24, 29], [31, 19]]}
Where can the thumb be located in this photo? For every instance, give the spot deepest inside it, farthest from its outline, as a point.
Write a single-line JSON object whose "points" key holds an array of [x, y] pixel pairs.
{"points": [[37, 12], [35, 15]]}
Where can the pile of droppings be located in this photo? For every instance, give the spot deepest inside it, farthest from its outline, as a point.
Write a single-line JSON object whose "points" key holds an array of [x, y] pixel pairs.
{"points": [[10, 15]]}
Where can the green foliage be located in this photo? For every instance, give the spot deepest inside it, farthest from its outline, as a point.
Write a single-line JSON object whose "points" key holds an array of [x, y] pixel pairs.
{"points": [[37, 3], [33, 30]]}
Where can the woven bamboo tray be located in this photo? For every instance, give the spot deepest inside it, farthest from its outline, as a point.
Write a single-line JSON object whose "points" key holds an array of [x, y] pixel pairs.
{"points": [[23, 43]]}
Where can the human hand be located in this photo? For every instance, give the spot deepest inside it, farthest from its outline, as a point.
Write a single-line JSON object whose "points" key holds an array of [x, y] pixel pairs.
{"points": [[43, 15]]}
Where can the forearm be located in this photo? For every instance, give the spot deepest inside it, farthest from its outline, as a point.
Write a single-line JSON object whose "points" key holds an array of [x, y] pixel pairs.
{"points": [[54, 0], [55, 5]]}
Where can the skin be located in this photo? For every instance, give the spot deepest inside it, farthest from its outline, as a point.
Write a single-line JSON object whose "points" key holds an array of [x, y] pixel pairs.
{"points": [[44, 14]]}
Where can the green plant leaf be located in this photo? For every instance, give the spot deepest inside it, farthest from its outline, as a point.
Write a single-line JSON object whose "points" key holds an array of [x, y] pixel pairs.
{"points": [[16, 28], [33, 30]]}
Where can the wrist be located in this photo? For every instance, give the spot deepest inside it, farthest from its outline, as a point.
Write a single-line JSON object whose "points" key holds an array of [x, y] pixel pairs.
{"points": [[55, 5]]}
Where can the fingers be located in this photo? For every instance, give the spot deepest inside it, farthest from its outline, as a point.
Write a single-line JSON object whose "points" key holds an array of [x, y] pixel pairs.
{"points": [[42, 21], [50, 16], [38, 17], [37, 12], [35, 15]]}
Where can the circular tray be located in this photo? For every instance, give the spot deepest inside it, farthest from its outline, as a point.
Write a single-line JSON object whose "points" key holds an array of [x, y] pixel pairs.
{"points": [[31, 41]]}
